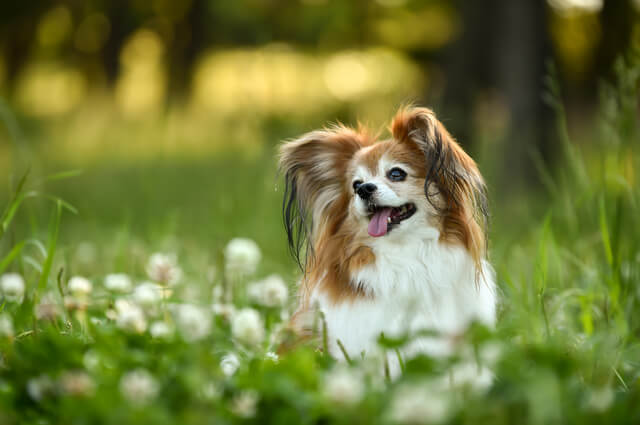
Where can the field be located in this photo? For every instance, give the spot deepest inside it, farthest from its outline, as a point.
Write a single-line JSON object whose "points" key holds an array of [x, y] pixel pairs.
{"points": [[124, 299]]}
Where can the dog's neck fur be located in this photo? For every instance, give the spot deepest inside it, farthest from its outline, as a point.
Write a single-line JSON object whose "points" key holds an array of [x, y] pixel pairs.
{"points": [[417, 282]]}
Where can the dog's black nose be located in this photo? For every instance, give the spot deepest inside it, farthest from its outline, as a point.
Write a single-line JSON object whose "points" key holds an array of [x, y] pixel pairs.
{"points": [[366, 190]]}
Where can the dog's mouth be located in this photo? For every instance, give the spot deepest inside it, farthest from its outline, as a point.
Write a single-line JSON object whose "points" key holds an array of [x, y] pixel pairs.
{"points": [[382, 219]]}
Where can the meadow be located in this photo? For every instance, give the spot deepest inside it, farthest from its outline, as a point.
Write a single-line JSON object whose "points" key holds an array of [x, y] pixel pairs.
{"points": [[155, 290]]}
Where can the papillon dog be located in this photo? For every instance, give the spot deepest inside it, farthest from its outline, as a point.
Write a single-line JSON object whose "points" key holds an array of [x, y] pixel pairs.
{"points": [[391, 235]]}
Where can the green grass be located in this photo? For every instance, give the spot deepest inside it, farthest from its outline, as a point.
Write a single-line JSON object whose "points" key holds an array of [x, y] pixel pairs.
{"points": [[566, 348]]}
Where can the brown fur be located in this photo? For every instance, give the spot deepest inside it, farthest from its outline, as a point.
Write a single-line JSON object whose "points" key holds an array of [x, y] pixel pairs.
{"points": [[460, 182]]}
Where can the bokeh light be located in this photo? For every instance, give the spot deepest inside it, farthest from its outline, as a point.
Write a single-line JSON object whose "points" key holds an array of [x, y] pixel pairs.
{"points": [[141, 86], [50, 88]]}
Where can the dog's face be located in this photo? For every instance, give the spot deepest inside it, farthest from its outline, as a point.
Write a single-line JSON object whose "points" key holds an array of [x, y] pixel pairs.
{"points": [[346, 191], [387, 184]]}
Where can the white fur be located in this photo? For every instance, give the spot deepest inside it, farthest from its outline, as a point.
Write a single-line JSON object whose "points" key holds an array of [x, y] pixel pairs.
{"points": [[416, 282], [420, 284]]}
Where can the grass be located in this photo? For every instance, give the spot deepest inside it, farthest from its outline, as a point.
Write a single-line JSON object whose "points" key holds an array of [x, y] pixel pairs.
{"points": [[566, 349]]}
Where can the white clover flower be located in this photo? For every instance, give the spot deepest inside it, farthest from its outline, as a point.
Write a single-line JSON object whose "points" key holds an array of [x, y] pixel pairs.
{"points": [[343, 386], [48, 307], [193, 322], [247, 326], [600, 399], [270, 292], [210, 391], [244, 404], [160, 330], [12, 287], [79, 286], [76, 383], [254, 292], [229, 364], [139, 386], [39, 387], [270, 355], [6, 326], [91, 360], [469, 374], [242, 256], [163, 268], [274, 291], [96, 321], [419, 404], [226, 311], [118, 282], [130, 317], [147, 294], [491, 353]]}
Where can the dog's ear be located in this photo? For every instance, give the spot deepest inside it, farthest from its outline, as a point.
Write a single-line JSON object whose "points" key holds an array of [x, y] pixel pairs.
{"points": [[314, 168], [453, 184]]}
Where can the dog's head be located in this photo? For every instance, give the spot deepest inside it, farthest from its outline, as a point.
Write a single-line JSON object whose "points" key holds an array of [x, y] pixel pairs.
{"points": [[345, 191]]}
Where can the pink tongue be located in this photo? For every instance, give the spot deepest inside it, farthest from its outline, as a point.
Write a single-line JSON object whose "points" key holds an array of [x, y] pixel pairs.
{"points": [[378, 223]]}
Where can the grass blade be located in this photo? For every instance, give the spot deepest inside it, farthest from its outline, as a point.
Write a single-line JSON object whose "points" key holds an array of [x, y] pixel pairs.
{"points": [[62, 175], [38, 245], [62, 203], [27, 259], [543, 255], [400, 359], [19, 196], [11, 256], [604, 231], [59, 280], [13, 205], [54, 229], [344, 351]]}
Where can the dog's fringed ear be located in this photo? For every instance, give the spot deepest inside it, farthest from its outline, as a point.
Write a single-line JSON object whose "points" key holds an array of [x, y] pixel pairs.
{"points": [[453, 184], [314, 168]]}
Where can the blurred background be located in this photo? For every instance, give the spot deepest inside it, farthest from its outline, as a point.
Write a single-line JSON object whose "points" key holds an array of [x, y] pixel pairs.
{"points": [[171, 110]]}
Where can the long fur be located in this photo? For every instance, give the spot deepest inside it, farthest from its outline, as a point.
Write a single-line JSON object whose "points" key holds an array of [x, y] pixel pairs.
{"points": [[454, 175], [314, 167], [362, 283]]}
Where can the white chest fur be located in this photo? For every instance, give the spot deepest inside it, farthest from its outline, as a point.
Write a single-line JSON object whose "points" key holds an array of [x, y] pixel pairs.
{"points": [[416, 283]]}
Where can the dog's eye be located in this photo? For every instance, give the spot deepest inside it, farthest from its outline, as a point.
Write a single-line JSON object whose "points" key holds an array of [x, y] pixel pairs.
{"points": [[396, 174], [356, 184]]}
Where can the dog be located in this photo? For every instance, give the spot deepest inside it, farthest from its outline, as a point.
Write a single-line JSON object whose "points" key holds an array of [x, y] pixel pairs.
{"points": [[391, 235]]}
